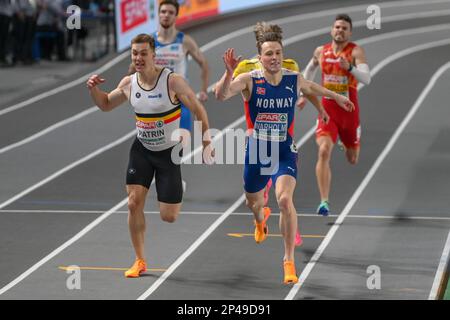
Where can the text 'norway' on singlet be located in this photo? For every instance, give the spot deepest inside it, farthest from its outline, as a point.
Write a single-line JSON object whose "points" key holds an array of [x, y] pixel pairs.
{"points": [[270, 110]]}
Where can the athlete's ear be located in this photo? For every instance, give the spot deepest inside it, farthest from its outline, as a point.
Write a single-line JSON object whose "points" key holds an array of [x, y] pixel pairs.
{"points": [[259, 57]]}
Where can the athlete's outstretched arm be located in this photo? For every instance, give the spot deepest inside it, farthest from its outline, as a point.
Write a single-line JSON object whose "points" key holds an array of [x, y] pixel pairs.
{"points": [[108, 101], [199, 57], [312, 88], [228, 87]]}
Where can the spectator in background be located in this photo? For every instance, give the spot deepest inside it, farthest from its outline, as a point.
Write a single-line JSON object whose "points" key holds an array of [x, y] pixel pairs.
{"points": [[24, 27], [51, 20], [6, 13]]}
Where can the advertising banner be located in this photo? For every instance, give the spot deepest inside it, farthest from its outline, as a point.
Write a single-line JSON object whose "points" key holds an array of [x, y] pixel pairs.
{"points": [[141, 16], [196, 9], [132, 18]]}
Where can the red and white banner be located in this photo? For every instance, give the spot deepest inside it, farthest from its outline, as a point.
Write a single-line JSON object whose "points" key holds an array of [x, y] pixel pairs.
{"points": [[132, 18], [133, 13]]}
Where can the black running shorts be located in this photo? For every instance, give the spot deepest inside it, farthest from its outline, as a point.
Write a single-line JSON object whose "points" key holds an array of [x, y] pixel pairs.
{"points": [[144, 164]]}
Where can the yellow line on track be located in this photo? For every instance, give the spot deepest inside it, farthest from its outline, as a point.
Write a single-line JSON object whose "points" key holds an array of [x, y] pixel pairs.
{"points": [[242, 235]]}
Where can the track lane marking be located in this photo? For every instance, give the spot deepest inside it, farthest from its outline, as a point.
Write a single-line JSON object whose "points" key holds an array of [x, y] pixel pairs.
{"points": [[276, 235], [439, 284]]}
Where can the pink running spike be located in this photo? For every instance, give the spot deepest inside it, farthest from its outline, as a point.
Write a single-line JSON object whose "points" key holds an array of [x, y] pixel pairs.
{"points": [[266, 192], [298, 239]]}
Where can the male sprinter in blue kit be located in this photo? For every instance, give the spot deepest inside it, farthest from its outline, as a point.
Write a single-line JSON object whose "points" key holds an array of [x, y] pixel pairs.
{"points": [[270, 96]]}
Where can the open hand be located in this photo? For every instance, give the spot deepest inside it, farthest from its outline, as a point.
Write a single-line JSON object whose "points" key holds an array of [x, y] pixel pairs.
{"points": [[230, 60]]}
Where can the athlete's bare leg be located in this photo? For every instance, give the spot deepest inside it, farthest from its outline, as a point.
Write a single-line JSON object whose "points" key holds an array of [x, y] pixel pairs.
{"points": [[136, 218], [352, 154], [323, 170], [284, 190], [255, 202], [169, 211]]}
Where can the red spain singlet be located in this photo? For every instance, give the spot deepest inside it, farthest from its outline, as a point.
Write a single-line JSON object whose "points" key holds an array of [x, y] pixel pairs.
{"points": [[342, 123]]}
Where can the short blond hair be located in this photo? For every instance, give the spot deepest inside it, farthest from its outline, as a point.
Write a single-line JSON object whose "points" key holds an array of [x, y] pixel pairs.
{"points": [[144, 38]]}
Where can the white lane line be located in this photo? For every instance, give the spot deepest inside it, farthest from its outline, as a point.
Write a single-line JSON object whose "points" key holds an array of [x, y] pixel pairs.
{"points": [[62, 247], [216, 213], [287, 42], [440, 273], [216, 42], [211, 213], [307, 270], [53, 211], [66, 86], [48, 129], [67, 168]]}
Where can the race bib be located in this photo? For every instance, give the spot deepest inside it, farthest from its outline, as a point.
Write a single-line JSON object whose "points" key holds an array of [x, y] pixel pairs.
{"points": [[271, 127], [151, 133], [338, 84]]}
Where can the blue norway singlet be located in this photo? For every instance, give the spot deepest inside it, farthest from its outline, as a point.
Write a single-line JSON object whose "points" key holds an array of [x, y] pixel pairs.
{"points": [[270, 118], [270, 110]]}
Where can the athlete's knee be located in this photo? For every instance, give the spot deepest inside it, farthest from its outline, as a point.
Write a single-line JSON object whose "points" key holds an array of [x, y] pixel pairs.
{"points": [[134, 203], [169, 215], [169, 218], [254, 203], [324, 152], [285, 202]]}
